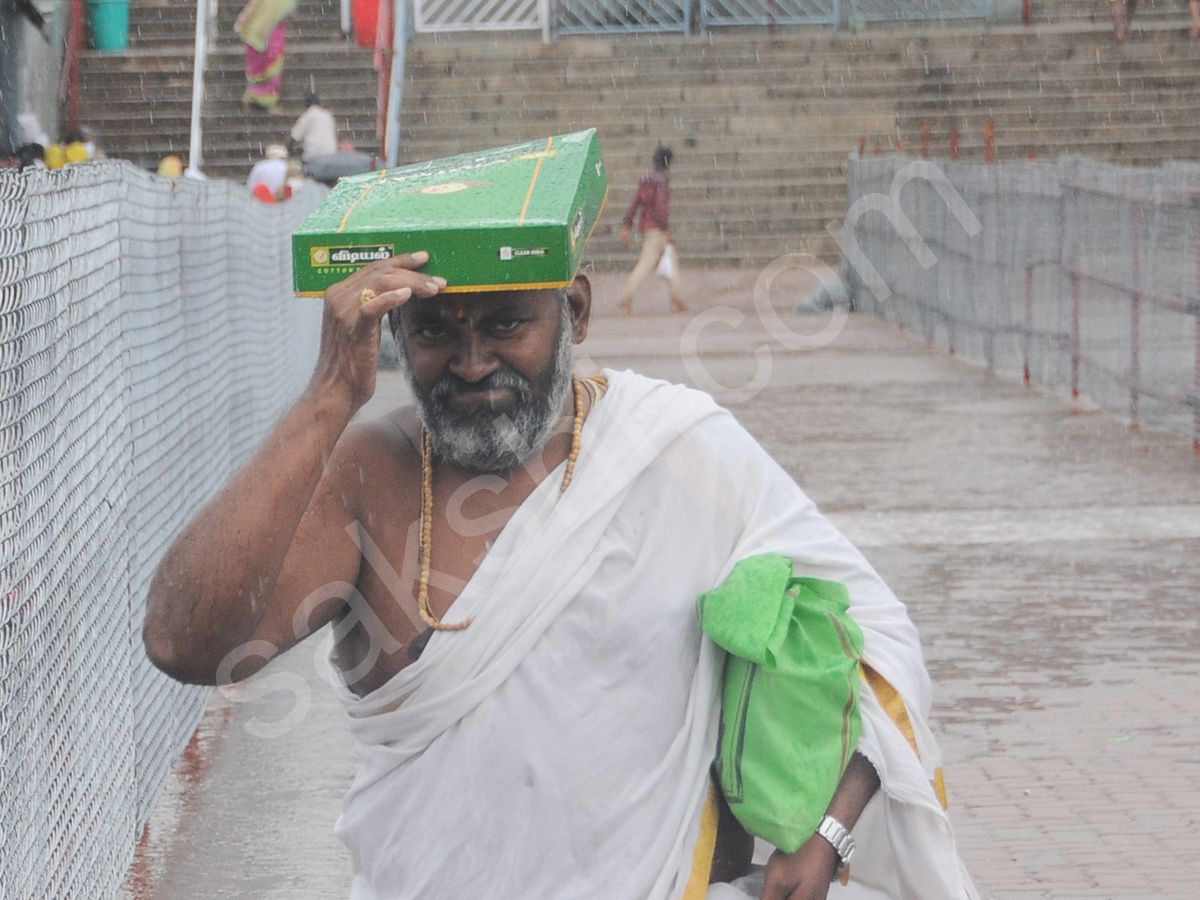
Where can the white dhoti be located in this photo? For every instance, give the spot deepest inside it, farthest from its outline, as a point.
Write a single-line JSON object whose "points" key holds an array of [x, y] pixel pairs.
{"points": [[560, 746]]}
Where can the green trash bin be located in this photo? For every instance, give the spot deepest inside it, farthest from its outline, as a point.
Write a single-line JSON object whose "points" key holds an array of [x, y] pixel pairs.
{"points": [[110, 24]]}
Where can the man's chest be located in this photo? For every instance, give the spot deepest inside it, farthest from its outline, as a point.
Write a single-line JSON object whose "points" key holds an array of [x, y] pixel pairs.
{"points": [[409, 548]]}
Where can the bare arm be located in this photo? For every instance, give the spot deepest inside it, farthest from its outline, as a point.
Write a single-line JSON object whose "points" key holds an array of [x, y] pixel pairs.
{"points": [[218, 579], [805, 874]]}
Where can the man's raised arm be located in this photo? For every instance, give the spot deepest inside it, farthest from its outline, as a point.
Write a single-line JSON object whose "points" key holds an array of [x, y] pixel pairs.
{"points": [[217, 580]]}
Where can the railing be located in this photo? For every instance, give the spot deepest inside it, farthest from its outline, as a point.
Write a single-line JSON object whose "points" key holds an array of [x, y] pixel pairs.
{"points": [[1084, 275], [621, 16], [476, 15], [717, 13], [149, 340], [863, 11], [564, 17]]}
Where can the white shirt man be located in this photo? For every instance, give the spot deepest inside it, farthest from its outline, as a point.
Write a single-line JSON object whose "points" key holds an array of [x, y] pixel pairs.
{"points": [[315, 131]]}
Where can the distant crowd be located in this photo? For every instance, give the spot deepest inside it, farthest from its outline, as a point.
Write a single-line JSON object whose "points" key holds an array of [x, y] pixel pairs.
{"points": [[313, 151], [76, 146]]}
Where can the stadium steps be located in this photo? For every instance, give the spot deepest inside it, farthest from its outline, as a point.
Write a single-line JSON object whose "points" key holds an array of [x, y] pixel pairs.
{"points": [[762, 124], [138, 102]]}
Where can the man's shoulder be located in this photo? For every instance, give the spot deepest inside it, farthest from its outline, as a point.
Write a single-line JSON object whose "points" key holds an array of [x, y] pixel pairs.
{"points": [[673, 410], [303, 120], [386, 447]]}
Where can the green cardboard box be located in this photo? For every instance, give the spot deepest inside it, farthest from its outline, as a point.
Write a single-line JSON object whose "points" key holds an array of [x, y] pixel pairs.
{"points": [[514, 217]]}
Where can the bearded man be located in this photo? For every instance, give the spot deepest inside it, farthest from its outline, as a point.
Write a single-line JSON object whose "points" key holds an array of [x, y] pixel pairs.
{"points": [[512, 570]]}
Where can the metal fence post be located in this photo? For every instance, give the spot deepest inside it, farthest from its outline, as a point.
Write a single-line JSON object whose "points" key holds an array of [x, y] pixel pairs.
{"points": [[200, 64], [1135, 301], [1027, 341], [1195, 304], [1073, 338]]}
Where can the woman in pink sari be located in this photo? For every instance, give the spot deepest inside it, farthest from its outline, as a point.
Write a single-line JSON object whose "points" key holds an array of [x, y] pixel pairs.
{"points": [[261, 26]]}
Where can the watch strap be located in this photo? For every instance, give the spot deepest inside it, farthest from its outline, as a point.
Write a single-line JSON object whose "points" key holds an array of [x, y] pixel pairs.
{"points": [[840, 839]]}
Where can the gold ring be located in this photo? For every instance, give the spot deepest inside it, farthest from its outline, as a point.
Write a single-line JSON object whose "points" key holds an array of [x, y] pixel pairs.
{"points": [[366, 296]]}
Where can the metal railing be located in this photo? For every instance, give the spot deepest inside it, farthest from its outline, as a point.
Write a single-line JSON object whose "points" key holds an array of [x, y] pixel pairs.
{"points": [[1084, 275], [476, 15], [863, 11], [149, 339], [620, 16], [718, 13], [565, 17]]}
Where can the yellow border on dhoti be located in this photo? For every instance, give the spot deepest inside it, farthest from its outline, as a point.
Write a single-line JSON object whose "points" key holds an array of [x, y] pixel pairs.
{"points": [[893, 704], [706, 846]]}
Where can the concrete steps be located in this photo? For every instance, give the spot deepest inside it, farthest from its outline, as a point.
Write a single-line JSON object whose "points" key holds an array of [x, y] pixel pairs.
{"points": [[139, 102], [761, 124]]}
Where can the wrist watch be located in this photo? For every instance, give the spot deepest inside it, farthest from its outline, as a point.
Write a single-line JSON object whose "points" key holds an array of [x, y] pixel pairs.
{"points": [[839, 837]]}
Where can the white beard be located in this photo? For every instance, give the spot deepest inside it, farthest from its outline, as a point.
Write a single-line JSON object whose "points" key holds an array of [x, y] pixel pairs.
{"points": [[486, 441]]}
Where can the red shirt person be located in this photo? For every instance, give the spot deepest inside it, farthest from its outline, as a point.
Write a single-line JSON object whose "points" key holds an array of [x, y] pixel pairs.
{"points": [[653, 200]]}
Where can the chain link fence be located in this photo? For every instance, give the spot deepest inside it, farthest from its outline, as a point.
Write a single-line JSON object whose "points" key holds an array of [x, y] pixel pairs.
{"points": [[148, 340], [1080, 275]]}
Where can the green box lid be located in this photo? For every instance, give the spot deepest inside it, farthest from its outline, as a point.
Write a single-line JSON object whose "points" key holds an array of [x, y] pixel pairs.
{"points": [[503, 219]]}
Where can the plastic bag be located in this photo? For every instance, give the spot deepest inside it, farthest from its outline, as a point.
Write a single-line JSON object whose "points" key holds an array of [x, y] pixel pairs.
{"points": [[667, 266]]}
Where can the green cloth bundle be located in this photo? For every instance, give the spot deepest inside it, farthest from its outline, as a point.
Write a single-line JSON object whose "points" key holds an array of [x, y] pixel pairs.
{"points": [[789, 707]]}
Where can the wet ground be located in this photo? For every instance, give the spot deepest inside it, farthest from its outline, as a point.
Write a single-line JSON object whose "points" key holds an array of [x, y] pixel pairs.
{"points": [[1049, 555]]}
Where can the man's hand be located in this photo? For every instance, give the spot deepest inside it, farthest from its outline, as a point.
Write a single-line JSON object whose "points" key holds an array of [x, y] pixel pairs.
{"points": [[803, 875], [217, 583], [354, 309], [623, 235]]}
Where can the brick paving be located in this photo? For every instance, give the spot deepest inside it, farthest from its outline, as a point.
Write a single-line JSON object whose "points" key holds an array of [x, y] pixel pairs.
{"points": [[1049, 555]]}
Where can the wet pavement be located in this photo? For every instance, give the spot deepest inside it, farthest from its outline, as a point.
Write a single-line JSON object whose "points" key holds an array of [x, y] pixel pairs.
{"points": [[1049, 555]]}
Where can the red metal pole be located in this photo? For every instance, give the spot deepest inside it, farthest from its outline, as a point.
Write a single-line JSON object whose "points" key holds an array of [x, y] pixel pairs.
{"points": [[924, 140], [989, 141], [68, 87], [954, 143], [1026, 12]]}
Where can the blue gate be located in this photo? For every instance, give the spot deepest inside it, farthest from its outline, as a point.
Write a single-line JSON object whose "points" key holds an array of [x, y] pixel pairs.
{"points": [[715, 13], [604, 16], [918, 10]]}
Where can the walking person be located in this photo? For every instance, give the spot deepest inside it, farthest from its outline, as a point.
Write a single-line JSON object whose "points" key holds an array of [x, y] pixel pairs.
{"points": [[653, 200], [262, 27]]}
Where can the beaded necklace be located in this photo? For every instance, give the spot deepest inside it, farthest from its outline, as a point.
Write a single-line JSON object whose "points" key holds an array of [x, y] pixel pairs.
{"points": [[426, 549]]}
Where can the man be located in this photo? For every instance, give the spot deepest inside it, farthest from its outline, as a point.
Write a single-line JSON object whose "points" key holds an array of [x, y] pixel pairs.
{"points": [[315, 131], [268, 175], [325, 158], [653, 200], [512, 570]]}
